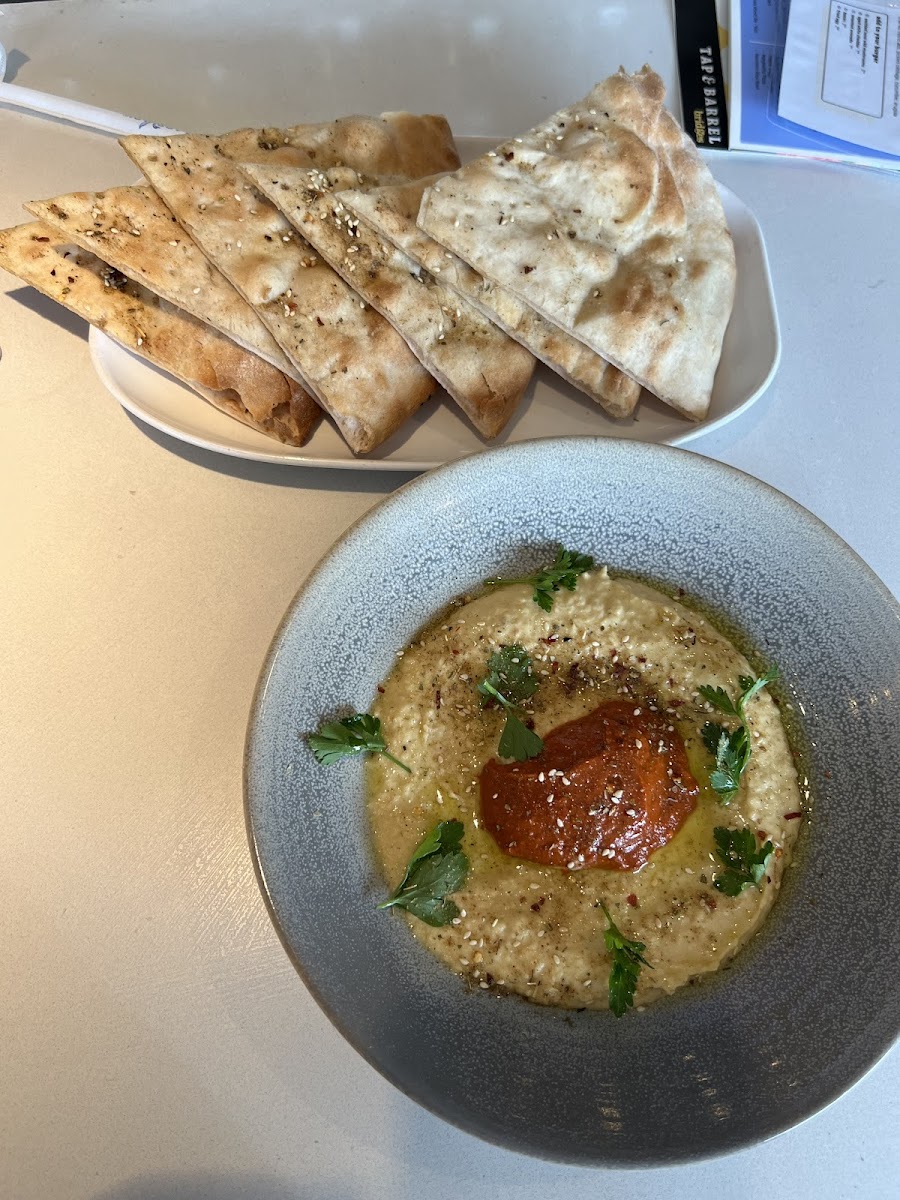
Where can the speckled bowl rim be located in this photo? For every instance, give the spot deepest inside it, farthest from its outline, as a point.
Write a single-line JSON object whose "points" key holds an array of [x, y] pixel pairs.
{"points": [[332, 557]]}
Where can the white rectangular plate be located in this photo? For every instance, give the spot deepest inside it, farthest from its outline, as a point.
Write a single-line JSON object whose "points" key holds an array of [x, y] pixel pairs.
{"points": [[439, 433]]}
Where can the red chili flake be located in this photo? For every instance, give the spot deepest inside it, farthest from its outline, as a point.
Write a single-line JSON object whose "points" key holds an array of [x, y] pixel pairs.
{"points": [[554, 667], [437, 698], [40, 239], [509, 156], [794, 816], [827, 774], [551, 639], [761, 834], [536, 907], [632, 899], [710, 902], [381, 689], [454, 652]]}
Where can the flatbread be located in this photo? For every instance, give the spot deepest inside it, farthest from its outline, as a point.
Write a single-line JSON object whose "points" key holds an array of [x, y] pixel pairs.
{"points": [[237, 382], [131, 229], [398, 144], [606, 221], [353, 361], [392, 212], [481, 368]]}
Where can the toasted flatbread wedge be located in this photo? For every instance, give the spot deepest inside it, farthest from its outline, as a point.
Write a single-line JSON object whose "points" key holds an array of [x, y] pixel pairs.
{"points": [[397, 144], [606, 221], [131, 229], [239, 383], [480, 367], [351, 359], [391, 212]]}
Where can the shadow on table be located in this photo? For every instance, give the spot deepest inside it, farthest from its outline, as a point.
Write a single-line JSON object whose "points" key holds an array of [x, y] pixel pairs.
{"points": [[313, 478], [206, 1185], [37, 302], [14, 59]]}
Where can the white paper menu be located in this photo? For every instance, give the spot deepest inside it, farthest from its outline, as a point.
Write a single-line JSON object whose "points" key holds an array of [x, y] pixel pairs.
{"points": [[841, 71]]}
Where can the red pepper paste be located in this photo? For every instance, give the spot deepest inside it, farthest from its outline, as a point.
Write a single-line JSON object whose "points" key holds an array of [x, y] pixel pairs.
{"points": [[606, 791]]}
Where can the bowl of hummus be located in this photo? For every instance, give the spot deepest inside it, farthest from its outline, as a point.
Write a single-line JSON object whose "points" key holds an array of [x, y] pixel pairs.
{"points": [[569, 780]]}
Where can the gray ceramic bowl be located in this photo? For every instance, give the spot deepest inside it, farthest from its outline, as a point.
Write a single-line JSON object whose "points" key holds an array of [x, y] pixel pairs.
{"points": [[801, 1014]]}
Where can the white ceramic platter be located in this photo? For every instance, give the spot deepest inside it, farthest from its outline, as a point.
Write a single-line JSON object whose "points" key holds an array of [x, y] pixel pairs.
{"points": [[438, 433]]}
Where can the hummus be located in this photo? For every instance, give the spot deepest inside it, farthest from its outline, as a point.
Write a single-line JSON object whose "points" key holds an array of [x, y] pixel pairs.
{"points": [[535, 929]]}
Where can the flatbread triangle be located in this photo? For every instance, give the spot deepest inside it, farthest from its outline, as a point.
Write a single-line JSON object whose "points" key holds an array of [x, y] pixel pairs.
{"points": [[605, 219], [392, 211], [132, 230], [354, 363], [237, 382], [481, 368]]}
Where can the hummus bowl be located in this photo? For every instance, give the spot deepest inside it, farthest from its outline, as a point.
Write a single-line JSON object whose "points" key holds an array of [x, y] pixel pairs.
{"points": [[808, 1006]]}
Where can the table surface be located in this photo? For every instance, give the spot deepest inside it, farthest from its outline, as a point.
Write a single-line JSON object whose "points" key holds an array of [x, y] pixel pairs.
{"points": [[158, 1044]]}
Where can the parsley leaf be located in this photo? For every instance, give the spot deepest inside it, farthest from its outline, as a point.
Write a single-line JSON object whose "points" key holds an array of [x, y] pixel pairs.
{"points": [[509, 681], [745, 864], [518, 741], [437, 868], [732, 753], [719, 699], [563, 572], [712, 734], [627, 960], [731, 750], [351, 735]]}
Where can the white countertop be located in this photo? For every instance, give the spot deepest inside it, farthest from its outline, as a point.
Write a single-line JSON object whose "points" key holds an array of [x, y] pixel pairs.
{"points": [[158, 1044]]}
